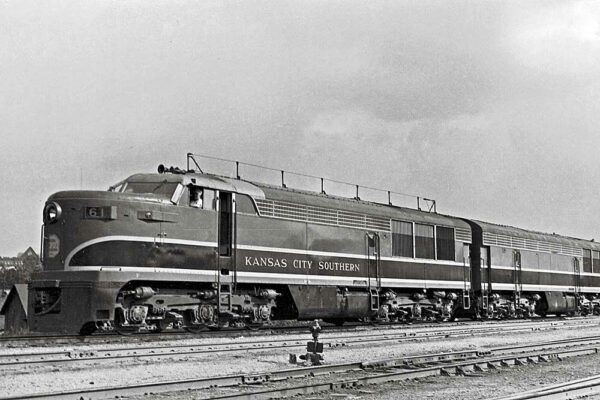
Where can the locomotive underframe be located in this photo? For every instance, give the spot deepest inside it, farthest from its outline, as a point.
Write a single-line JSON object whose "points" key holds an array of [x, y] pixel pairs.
{"points": [[87, 301], [105, 300]]}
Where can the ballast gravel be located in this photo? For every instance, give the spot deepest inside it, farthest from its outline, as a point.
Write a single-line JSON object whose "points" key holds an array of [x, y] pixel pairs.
{"points": [[29, 379]]}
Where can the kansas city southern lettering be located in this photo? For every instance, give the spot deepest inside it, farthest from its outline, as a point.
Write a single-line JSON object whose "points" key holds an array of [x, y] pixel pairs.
{"points": [[339, 266], [274, 262], [266, 262]]}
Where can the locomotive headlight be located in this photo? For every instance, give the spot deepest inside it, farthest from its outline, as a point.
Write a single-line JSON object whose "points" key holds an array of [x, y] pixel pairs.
{"points": [[52, 213]]}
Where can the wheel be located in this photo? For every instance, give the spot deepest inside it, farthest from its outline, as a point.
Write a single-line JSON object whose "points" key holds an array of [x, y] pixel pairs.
{"points": [[335, 321], [196, 329], [254, 326], [120, 328], [160, 326], [88, 329], [126, 331]]}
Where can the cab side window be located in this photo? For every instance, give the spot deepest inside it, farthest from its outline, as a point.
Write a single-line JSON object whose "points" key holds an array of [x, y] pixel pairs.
{"points": [[209, 199], [202, 198], [196, 197]]}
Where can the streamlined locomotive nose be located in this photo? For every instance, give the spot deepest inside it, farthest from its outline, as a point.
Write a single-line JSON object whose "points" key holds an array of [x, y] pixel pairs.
{"points": [[73, 220]]}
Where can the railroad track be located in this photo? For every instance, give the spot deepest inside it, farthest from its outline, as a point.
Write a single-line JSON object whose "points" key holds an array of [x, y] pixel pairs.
{"points": [[579, 388], [112, 337], [61, 339], [329, 341], [317, 379]]}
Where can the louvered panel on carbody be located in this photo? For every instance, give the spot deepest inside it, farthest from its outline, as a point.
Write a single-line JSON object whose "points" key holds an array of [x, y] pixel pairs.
{"points": [[531, 244], [378, 223], [462, 235], [519, 243], [571, 251], [490, 239], [504, 240], [555, 247], [321, 215], [265, 207], [544, 246]]}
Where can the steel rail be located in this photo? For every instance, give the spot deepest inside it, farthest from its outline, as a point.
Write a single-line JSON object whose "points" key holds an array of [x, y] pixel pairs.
{"points": [[227, 332], [571, 389], [459, 368], [462, 363], [69, 356]]}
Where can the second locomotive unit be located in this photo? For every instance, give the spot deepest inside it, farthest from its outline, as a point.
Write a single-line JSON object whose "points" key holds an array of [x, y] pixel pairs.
{"points": [[186, 249]]}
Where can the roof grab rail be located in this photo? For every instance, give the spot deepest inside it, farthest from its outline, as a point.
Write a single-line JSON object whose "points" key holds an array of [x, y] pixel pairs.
{"points": [[423, 203]]}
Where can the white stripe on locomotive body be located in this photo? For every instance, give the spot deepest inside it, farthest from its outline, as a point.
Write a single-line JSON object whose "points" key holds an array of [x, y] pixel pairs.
{"points": [[149, 239], [290, 279], [544, 271], [274, 278], [542, 288], [300, 279], [116, 268]]}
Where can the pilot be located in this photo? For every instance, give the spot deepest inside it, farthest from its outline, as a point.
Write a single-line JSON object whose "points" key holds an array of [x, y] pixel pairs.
{"points": [[196, 198]]}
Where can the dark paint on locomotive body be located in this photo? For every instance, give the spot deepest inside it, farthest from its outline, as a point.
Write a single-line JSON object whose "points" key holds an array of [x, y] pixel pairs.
{"points": [[146, 255], [514, 263]]}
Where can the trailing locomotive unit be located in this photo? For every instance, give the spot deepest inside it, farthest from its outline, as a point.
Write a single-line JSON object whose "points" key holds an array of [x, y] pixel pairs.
{"points": [[193, 250], [523, 273]]}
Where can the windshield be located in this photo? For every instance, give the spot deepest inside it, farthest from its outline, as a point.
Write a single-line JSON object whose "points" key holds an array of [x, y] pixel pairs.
{"points": [[162, 189]]}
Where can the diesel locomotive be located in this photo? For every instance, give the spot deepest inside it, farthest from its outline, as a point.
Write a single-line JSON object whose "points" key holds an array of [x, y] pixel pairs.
{"points": [[190, 250]]}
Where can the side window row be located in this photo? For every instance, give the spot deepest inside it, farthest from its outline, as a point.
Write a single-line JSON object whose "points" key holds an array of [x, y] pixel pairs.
{"points": [[410, 239], [591, 260]]}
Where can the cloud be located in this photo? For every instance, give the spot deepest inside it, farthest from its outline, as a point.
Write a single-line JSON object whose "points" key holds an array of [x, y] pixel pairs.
{"points": [[560, 38]]}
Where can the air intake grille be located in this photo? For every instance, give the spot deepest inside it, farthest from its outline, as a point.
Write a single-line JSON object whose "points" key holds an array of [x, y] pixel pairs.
{"points": [[462, 235], [321, 215], [492, 239]]}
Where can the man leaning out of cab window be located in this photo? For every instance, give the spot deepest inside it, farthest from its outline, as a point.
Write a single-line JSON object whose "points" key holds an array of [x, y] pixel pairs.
{"points": [[196, 198]]}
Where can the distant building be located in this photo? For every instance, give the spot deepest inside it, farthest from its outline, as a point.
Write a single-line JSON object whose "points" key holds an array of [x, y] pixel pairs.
{"points": [[14, 310], [17, 269], [17, 262]]}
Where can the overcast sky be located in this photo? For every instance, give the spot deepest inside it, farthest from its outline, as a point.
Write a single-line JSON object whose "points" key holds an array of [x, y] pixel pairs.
{"points": [[492, 108]]}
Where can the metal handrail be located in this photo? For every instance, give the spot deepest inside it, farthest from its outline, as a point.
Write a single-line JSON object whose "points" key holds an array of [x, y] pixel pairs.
{"points": [[429, 204]]}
